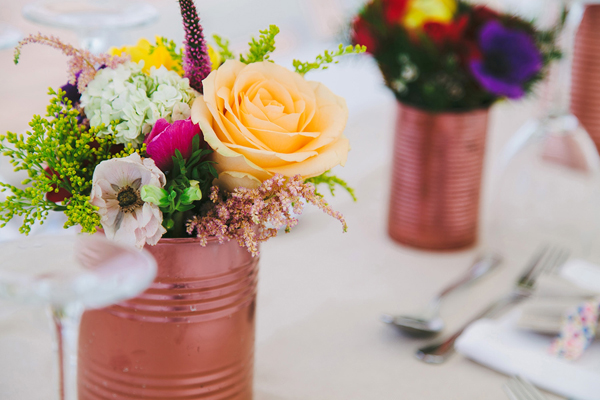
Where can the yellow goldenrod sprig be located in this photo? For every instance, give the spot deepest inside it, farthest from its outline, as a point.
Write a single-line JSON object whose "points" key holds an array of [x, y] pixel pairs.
{"points": [[261, 49], [58, 153], [327, 58]]}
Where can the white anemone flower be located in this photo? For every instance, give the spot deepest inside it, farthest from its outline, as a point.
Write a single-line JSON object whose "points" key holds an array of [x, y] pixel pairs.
{"points": [[125, 217]]}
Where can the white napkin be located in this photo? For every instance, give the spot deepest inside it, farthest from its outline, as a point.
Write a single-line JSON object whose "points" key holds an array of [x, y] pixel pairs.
{"points": [[555, 296], [500, 345]]}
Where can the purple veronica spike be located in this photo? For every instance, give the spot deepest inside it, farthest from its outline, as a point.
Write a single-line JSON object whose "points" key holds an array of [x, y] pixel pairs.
{"points": [[510, 59], [196, 62]]}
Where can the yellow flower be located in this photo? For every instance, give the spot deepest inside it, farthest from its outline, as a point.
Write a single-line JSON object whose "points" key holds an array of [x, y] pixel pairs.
{"points": [[421, 11], [141, 51], [215, 58], [262, 119], [160, 56]]}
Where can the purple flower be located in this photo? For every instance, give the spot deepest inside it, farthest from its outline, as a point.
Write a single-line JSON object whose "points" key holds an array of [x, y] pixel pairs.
{"points": [[165, 138], [196, 62], [71, 91], [510, 59]]}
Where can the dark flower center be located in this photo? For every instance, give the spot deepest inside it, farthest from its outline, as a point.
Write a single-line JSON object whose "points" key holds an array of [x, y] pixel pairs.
{"points": [[129, 199], [497, 65]]}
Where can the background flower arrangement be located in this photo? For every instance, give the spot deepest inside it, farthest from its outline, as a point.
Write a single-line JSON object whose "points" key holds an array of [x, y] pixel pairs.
{"points": [[449, 55], [136, 140]]}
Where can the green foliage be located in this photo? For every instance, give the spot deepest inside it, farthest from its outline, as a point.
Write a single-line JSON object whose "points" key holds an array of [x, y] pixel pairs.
{"points": [[171, 46], [223, 45], [331, 181], [186, 183], [327, 58], [57, 153], [17, 55], [260, 50]]}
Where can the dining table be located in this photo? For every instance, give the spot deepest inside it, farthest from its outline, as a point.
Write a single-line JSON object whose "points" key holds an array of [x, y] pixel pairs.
{"points": [[321, 291]]}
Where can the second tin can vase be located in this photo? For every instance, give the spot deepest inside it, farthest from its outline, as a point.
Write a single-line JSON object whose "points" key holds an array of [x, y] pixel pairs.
{"points": [[189, 336], [436, 178], [585, 89]]}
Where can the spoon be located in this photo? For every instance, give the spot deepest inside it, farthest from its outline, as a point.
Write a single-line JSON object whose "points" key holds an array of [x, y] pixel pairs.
{"points": [[429, 322]]}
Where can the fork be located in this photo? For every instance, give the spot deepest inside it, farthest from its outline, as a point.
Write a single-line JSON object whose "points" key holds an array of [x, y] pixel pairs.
{"points": [[518, 388], [546, 261]]}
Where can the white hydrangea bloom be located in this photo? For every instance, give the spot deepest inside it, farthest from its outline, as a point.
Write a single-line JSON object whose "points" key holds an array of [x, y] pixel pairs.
{"points": [[135, 99]]}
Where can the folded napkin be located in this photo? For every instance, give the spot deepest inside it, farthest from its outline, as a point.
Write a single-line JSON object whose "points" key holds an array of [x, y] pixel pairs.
{"points": [[555, 296], [503, 346]]}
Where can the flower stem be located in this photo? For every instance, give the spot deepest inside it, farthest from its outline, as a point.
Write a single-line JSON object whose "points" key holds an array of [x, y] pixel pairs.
{"points": [[179, 226]]}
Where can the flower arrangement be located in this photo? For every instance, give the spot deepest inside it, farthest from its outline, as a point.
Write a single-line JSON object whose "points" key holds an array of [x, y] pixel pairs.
{"points": [[449, 55], [152, 141]]}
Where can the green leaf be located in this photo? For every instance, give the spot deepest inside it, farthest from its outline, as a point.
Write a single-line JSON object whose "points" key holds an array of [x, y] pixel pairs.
{"points": [[185, 207], [191, 194], [155, 195]]}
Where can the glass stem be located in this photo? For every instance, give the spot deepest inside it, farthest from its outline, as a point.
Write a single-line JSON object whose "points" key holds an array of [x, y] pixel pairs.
{"points": [[561, 74], [94, 40], [66, 321]]}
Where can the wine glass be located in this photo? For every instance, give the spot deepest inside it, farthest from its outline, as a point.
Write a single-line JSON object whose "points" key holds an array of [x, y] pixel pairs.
{"points": [[70, 273], [9, 36], [95, 21], [548, 189]]}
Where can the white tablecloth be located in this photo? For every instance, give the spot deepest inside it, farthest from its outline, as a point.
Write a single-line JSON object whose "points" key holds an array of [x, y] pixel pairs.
{"points": [[321, 292]]}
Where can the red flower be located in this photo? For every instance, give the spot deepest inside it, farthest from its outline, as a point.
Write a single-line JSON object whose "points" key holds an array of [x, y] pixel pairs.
{"points": [[483, 14], [52, 195], [361, 34], [471, 52], [394, 10], [452, 32], [436, 32]]}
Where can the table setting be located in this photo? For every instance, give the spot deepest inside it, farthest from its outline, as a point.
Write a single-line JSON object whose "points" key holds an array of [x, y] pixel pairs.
{"points": [[162, 218]]}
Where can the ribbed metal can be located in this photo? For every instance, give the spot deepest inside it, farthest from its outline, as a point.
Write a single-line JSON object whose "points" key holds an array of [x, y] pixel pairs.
{"points": [[585, 81], [436, 178], [189, 336]]}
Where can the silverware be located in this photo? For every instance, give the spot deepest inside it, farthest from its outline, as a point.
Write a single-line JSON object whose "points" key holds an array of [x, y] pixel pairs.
{"points": [[518, 388], [547, 261], [428, 322]]}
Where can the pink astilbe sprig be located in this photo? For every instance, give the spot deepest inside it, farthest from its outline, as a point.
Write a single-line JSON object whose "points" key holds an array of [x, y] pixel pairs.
{"points": [[81, 60], [252, 216], [196, 62]]}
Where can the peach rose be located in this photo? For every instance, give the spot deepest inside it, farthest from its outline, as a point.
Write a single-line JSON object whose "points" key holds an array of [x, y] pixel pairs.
{"points": [[262, 119]]}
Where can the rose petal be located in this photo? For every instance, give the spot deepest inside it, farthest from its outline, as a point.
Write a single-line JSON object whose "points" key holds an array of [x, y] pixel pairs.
{"points": [[288, 142], [329, 157], [330, 119], [229, 180], [268, 159]]}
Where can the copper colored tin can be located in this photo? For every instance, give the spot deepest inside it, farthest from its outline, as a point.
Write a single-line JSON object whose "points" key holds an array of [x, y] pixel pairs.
{"points": [[585, 89], [436, 178], [189, 336]]}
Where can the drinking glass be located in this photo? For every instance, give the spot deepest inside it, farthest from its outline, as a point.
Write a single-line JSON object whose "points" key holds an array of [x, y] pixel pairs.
{"points": [[95, 21], [9, 36], [548, 189], [71, 273]]}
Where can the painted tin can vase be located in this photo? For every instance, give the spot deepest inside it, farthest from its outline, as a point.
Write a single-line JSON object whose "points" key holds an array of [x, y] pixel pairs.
{"points": [[585, 88], [436, 178], [189, 336]]}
